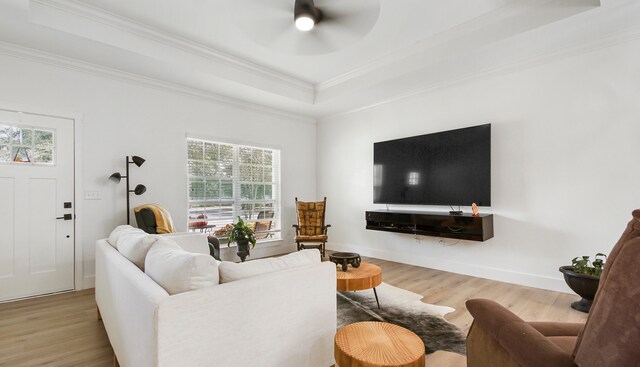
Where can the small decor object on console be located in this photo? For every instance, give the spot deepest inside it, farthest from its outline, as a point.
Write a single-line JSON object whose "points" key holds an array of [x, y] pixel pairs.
{"points": [[455, 212], [345, 258], [474, 209], [242, 234], [583, 277]]}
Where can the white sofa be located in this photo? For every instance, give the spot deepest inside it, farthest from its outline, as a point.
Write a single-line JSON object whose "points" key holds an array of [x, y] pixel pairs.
{"points": [[282, 318]]}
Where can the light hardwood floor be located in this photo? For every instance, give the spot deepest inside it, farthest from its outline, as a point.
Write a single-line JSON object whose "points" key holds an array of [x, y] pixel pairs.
{"points": [[63, 330], [449, 289], [59, 330]]}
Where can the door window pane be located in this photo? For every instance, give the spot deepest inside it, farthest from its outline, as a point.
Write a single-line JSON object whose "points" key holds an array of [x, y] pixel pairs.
{"points": [[43, 139], [25, 145], [5, 152]]}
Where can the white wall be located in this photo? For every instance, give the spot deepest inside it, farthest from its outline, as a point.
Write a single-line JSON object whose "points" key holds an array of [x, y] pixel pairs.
{"points": [[564, 166], [124, 118]]}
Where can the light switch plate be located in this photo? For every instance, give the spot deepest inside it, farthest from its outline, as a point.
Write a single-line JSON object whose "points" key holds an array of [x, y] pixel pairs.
{"points": [[92, 195]]}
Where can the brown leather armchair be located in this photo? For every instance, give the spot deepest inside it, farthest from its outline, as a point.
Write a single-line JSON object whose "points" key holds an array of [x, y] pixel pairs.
{"points": [[610, 336]]}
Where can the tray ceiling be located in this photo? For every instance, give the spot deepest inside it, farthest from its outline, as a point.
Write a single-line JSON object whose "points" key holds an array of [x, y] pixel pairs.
{"points": [[249, 49]]}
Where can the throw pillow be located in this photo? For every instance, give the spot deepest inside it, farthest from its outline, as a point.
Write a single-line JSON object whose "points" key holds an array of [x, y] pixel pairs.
{"points": [[230, 271], [118, 231], [177, 270], [134, 245]]}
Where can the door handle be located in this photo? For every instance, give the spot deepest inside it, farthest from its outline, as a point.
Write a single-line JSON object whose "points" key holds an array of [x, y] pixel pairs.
{"points": [[65, 217]]}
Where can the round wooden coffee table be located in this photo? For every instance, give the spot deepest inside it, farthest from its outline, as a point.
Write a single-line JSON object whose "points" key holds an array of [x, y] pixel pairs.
{"points": [[373, 343], [366, 276]]}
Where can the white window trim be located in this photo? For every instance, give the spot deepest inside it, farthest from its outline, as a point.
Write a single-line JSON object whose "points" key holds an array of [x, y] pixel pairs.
{"points": [[237, 201]]}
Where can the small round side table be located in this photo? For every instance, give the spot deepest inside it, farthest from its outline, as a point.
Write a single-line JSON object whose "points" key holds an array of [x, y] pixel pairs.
{"points": [[372, 343], [366, 276]]}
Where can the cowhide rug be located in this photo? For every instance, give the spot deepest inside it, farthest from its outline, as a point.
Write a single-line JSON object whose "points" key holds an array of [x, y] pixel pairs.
{"points": [[403, 308]]}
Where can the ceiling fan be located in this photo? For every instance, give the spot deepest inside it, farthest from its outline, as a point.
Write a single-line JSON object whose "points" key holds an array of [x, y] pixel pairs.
{"points": [[326, 25], [306, 15]]}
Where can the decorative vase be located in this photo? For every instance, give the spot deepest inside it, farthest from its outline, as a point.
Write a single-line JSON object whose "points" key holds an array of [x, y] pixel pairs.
{"points": [[584, 285], [243, 249]]}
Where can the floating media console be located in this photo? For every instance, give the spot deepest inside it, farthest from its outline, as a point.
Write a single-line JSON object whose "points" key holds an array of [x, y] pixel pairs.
{"points": [[437, 224]]}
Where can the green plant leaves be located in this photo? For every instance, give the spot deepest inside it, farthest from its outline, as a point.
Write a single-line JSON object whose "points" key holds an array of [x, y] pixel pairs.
{"points": [[242, 231], [582, 265]]}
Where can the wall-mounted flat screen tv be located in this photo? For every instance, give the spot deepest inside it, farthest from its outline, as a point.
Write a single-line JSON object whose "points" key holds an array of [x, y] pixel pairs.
{"points": [[446, 168]]}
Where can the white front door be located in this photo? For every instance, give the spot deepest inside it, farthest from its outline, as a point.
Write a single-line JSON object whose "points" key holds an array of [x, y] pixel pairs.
{"points": [[36, 192]]}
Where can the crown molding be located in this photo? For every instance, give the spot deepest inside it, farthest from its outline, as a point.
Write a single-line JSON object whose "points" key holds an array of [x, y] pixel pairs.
{"points": [[324, 108], [47, 58], [103, 17], [605, 40], [442, 41]]}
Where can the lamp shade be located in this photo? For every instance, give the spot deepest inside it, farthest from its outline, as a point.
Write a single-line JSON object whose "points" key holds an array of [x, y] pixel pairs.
{"points": [[140, 189], [138, 161], [115, 177]]}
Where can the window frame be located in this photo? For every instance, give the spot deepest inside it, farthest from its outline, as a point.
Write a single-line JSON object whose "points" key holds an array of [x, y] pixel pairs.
{"points": [[236, 201]]}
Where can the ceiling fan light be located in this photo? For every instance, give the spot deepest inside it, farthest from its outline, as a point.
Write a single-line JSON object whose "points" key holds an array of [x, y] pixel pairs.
{"points": [[305, 23]]}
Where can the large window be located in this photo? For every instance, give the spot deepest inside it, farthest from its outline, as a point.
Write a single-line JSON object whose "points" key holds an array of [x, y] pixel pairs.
{"points": [[227, 181]]}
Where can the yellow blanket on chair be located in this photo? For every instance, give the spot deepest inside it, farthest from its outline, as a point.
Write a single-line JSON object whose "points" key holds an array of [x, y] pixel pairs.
{"points": [[164, 223]]}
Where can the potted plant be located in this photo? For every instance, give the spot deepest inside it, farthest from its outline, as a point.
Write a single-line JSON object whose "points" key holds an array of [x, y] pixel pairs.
{"points": [[583, 277], [242, 234]]}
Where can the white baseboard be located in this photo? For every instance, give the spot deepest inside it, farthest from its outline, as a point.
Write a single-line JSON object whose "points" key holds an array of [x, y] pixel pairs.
{"points": [[89, 281], [503, 275]]}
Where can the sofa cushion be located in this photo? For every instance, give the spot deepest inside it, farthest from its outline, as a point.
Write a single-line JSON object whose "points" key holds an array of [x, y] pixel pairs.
{"points": [[177, 270], [230, 271], [134, 245], [118, 231]]}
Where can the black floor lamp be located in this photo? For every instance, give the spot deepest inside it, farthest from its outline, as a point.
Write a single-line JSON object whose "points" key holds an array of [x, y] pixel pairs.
{"points": [[139, 189]]}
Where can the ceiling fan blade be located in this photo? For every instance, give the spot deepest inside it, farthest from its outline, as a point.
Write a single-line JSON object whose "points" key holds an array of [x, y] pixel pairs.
{"points": [[271, 24]]}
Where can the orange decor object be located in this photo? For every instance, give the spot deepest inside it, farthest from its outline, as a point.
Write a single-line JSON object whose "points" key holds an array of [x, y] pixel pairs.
{"points": [[474, 209], [373, 343]]}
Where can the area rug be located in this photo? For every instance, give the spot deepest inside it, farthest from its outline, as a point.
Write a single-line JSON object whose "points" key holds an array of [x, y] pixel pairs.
{"points": [[403, 308]]}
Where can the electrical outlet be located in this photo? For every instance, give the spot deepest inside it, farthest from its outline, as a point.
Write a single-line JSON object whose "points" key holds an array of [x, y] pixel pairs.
{"points": [[92, 195]]}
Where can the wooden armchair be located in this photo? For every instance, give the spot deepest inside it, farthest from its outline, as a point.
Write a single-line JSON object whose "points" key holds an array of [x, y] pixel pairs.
{"points": [[311, 227], [262, 227]]}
